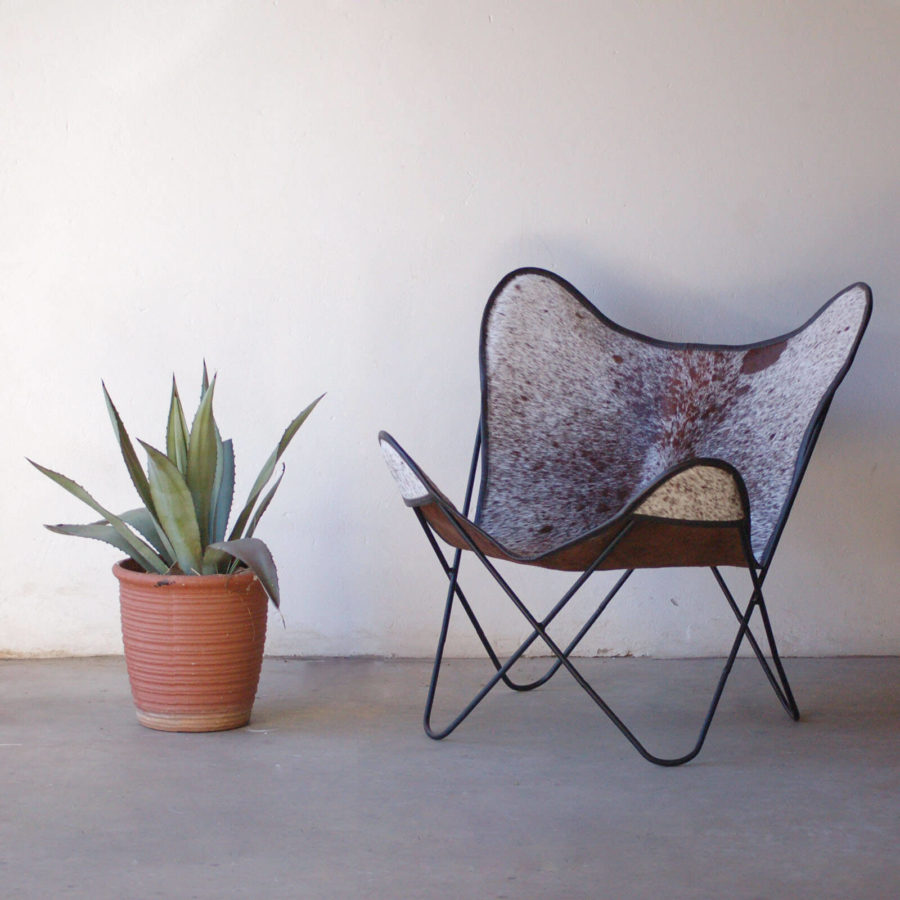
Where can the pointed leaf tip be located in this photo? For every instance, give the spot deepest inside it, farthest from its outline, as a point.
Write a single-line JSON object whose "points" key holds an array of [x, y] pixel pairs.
{"points": [[141, 552], [135, 471], [258, 558], [268, 469]]}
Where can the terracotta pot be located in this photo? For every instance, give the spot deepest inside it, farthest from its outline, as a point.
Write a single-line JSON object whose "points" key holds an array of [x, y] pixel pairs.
{"points": [[193, 647]]}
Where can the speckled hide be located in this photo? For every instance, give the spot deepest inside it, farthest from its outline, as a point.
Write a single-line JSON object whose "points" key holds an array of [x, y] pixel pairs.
{"points": [[582, 417]]}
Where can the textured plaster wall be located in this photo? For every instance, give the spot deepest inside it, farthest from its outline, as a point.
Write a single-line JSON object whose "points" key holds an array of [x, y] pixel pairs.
{"points": [[320, 196]]}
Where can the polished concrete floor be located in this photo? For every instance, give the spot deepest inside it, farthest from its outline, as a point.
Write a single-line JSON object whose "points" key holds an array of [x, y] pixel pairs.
{"points": [[333, 791]]}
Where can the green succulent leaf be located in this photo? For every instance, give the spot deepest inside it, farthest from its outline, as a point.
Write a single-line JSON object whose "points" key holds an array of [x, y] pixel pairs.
{"points": [[177, 432], [142, 521], [217, 562], [264, 505], [140, 552], [98, 531], [254, 554], [223, 491], [204, 384], [202, 461], [266, 473], [138, 476], [157, 537], [175, 510]]}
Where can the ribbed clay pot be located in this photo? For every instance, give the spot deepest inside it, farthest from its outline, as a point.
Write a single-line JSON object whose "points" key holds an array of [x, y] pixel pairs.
{"points": [[193, 647]]}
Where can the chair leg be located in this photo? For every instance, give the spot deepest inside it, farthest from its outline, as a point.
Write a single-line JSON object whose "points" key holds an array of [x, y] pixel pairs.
{"points": [[562, 655], [452, 573], [502, 670], [570, 647], [791, 706], [782, 689], [540, 630]]}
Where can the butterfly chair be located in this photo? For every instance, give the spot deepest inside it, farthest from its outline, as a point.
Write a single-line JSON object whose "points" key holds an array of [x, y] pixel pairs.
{"points": [[600, 448]]}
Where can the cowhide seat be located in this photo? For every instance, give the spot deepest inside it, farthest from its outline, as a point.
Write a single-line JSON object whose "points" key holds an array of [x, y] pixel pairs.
{"points": [[600, 448]]}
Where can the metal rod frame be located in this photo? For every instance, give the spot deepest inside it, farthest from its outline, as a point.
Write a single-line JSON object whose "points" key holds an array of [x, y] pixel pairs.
{"points": [[777, 679]]}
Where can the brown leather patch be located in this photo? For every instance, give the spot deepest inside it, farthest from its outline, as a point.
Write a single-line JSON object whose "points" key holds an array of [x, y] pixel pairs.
{"points": [[760, 358], [650, 544]]}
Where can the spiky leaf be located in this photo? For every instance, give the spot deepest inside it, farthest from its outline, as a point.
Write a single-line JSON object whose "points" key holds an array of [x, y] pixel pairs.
{"points": [[202, 457], [98, 531], [175, 510], [140, 552], [264, 505], [223, 491], [257, 557], [266, 473], [145, 524], [177, 432], [138, 476]]}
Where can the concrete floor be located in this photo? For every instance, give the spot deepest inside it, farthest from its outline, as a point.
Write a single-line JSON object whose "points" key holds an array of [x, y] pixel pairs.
{"points": [[334, 792]]}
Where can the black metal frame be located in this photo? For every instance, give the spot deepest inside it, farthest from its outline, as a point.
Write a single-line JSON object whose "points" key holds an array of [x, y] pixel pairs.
{"points": [[780, 684]]}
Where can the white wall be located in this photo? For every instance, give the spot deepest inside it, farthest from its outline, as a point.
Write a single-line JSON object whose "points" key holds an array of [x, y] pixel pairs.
{"points": [[320, 196]]}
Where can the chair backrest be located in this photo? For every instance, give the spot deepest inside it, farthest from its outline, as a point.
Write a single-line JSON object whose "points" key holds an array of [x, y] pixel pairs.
{"points": [[579, 415]]}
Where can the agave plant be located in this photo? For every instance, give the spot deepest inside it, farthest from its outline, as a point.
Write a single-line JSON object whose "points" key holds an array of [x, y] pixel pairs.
{"points": [[187, 495]]}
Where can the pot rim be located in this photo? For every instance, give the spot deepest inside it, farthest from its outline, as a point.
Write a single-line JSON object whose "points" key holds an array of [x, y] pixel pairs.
{"points": [[127, 572]]}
